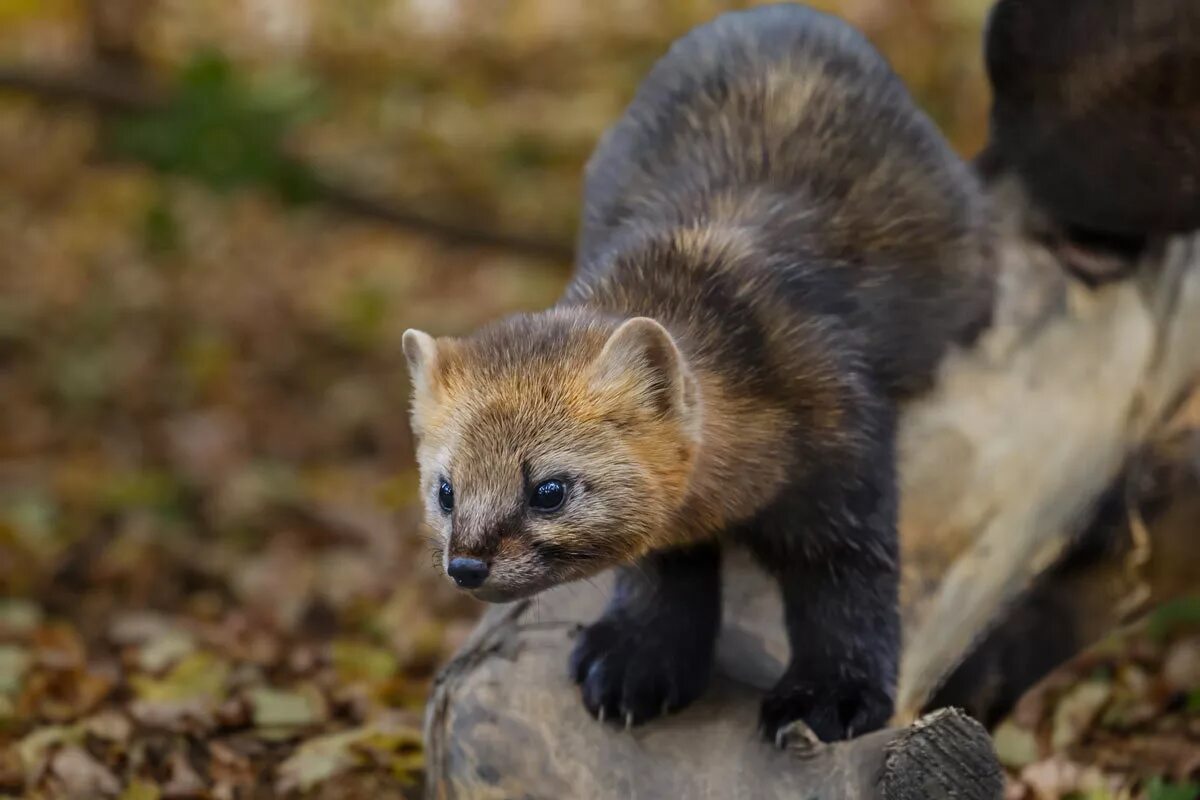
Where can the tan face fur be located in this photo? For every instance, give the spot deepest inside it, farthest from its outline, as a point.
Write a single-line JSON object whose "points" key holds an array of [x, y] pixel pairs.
{"points": [[609, 409]]}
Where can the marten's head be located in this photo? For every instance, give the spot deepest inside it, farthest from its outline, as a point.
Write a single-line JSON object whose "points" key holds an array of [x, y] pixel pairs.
{"points": [[550, 446]]}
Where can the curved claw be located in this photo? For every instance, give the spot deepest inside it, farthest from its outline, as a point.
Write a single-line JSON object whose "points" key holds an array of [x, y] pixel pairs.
{"points": [[799, 738]]}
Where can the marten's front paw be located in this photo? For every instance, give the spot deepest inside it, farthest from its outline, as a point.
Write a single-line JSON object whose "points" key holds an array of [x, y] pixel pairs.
{"points": [[833, 710], [629, 675]]}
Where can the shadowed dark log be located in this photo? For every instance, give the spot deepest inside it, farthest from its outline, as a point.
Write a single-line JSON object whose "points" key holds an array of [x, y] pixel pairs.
{"points": [[1096, 94]]}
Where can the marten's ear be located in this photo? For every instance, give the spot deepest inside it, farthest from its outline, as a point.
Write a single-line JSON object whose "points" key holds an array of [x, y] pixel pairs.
{"points": [[640, 359], [1097, 110], [421, 351]]}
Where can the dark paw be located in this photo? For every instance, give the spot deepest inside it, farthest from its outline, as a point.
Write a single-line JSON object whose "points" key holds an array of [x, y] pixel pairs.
{"points": [[629, 675], [833, 710]]}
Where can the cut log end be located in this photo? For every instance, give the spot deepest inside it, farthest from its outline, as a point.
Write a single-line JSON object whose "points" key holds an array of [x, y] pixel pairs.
{"points": [[945, 754]]}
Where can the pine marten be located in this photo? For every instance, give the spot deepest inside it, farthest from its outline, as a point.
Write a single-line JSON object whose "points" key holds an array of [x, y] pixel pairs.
{"points": [[776, 246]]}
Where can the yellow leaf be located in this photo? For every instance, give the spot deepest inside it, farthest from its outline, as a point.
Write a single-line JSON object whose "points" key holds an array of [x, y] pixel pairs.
{"points": [[140, 790], [276, 709], [319, 759], [199, 675], [358, 661]]}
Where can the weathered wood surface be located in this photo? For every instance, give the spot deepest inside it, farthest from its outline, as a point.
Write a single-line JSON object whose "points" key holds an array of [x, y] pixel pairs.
{"points": [[1003, 464], [1143, 550], [505, 722]]}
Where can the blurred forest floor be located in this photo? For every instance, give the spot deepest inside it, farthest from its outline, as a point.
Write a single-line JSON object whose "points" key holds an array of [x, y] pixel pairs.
{"points": [[212, 581]]}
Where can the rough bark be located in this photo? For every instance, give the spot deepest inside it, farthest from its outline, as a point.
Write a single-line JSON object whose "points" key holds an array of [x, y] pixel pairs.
{"points": [[1003, 466]]}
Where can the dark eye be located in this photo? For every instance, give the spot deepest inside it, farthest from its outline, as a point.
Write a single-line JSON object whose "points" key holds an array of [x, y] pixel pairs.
{"points": [[548, 495], [446, 496]]}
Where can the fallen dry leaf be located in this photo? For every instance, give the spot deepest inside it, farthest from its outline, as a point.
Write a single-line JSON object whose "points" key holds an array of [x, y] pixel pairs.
{"points": [[273, 708], [1076, 710], [111, 726], [81, 776], [1015, 746], [140, 790], [320, 759], [36, 749], [1181, 668], [164, 650], [1058, 777], [183, 783]]}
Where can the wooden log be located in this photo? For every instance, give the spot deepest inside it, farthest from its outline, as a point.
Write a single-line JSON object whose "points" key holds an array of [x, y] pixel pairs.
{"points": [[1002, 466], [504, 722]]}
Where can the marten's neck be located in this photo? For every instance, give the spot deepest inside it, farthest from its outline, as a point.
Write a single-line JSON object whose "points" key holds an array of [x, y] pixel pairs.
{"points": [[740, 463], [706, 286]]}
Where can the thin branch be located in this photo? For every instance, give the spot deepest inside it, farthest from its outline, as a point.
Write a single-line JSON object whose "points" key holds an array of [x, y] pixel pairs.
{"points": [[99, 86], [120, 92], [353, 201]]}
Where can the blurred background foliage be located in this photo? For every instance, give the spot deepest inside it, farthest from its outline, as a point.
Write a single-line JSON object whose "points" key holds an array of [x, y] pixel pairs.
{"points": [[216, 219]]}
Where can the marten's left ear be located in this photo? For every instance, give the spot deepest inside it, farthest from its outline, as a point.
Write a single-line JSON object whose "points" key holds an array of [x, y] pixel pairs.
{"points": [[640, 359], [421, 352], [420, 349]]}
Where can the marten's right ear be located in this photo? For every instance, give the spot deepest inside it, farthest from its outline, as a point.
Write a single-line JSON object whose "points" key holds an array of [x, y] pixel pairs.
{"points": [[640, 361], [421, 351]]}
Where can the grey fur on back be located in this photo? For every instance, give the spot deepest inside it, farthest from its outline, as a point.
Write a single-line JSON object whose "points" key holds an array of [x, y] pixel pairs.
{"points": [[786, 121]]}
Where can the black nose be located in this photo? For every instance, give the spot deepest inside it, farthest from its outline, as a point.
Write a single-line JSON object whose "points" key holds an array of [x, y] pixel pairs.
{"points": [[469, 573]]}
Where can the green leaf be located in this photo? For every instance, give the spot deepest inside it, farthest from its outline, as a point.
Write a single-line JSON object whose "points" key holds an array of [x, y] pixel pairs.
{"points": [[1184, 612], [160, 229], [143, 489], [33, 517], [223, 130], [1158, 789], [14, 660], [363, 314]]}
